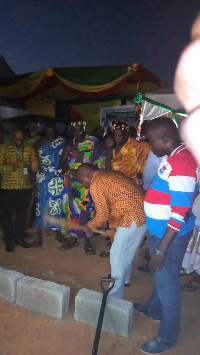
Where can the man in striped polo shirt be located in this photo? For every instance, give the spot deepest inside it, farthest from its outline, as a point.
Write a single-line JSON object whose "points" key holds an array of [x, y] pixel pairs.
{"points": [[170, 222]]}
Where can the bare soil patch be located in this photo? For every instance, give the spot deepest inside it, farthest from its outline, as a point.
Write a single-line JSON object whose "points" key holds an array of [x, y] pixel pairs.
{"points": [[26, 332]]}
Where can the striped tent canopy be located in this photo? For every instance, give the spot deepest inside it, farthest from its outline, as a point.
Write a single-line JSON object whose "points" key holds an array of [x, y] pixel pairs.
{"points": [[79, 87]]}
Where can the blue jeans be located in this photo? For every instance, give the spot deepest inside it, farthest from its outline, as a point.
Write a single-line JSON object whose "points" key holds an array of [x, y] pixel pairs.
{"points": [[165, 300]]}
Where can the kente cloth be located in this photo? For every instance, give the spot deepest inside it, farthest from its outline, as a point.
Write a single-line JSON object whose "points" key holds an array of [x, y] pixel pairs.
{"points": [[21, 177], [78, 206], [49, 183], [131, 158]]}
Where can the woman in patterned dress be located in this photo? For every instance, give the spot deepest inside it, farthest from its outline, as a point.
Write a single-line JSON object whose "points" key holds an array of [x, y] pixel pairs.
{"points": [[50, 184]]}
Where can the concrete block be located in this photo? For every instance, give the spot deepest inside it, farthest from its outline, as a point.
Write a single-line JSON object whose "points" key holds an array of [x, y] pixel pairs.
{"points": [[43, 296], [118, 316], [8, 283]]}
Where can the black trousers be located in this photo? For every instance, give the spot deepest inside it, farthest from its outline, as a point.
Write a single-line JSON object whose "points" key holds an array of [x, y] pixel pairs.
{"points": [[14, 204]]}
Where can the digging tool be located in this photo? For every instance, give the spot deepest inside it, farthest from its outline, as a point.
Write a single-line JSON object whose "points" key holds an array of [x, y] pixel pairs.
{"points": [[102, 310]]}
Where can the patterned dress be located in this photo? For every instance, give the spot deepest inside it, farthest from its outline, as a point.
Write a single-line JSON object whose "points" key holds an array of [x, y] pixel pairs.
{"points": [[131, 158], [78, 206], [50, 184], [191, 261]]}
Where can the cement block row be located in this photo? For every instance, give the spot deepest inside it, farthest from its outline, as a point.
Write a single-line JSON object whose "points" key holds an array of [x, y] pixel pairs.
{"points": [[8, 283], [34, 294], [53, 299], [118, 316], [43, 296]]}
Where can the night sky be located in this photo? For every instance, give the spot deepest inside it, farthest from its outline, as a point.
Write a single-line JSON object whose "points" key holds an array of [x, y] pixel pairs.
{"points": [[37, 34]]}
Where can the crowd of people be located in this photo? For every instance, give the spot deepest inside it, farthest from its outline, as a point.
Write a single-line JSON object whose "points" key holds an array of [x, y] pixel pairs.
{"points": [[163, 207], [44, 168], [113, 185]]}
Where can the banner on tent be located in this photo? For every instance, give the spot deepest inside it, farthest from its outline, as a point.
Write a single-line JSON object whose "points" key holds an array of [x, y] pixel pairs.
{"points": [[117, 113]]}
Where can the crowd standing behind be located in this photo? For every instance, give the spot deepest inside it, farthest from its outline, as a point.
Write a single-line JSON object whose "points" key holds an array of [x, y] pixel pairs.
{"points": [[79, 196]]}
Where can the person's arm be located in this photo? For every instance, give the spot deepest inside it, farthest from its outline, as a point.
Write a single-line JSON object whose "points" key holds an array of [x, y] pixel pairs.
{"points": [[150, 169], [34, 162], [98, 155], [47, 218], [34, 166], [62, 165], [109, 156], [102, 209], [158, 257], [180, 203], [102, 215]]}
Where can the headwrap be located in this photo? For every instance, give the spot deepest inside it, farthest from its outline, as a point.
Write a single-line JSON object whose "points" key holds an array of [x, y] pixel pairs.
{"points": [[123, 126]]}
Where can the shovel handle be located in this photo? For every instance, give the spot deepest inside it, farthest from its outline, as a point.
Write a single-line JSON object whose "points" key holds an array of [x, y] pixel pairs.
{"points": [[101, 313], [107, 279]]}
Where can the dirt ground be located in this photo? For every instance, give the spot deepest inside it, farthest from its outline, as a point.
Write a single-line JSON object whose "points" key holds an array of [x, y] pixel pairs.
{"points": [[30, 333]]}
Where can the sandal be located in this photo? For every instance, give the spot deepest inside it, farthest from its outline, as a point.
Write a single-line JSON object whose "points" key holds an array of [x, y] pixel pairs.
{"points": [[104, 254], [67, 246], [89, 250], [28, 236], [61, 238], [190, 286], [37, 242]]}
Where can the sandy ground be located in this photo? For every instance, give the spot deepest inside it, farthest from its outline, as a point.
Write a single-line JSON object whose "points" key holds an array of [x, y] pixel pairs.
{"points": [[26, 332]]}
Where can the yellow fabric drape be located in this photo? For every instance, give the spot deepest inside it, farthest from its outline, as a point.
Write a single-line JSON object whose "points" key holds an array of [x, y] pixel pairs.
{"points": [[41, 106], [94, 88], [23, 87]]}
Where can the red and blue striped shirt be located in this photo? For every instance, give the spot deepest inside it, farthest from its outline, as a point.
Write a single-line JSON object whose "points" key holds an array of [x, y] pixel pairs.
{"points": [[168, 201]]}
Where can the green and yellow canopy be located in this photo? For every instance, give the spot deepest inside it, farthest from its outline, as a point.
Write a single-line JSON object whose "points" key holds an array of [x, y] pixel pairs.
{"points": [[78, 86]]}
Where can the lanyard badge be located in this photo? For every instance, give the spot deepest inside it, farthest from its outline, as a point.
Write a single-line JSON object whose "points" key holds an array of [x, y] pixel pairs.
{"points": [[25, 171]]}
